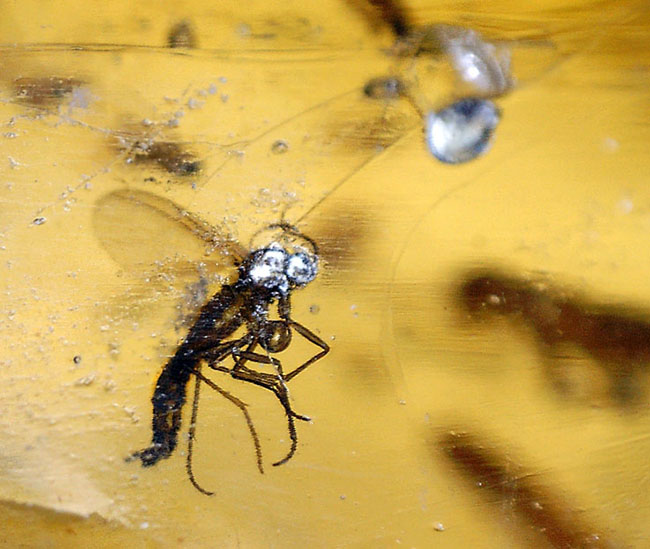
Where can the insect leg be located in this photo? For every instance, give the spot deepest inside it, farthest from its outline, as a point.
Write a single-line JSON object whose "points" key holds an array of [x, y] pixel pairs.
{"points": [[273, 383], [192, 433], [241, 405], [313, 338], [216, 354]]}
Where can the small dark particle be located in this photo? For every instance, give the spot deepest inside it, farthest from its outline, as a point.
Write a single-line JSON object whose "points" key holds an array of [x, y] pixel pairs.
{"points": [[393, 13], [182, 35], [169, 156], [462, 131], [489, 470], [44, 91], [280, 147], [39, 221], [76, 359], [384, 87]]}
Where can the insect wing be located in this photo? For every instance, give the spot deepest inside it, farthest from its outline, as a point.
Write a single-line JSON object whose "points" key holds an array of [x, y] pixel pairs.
{"points": [[170, 249]]}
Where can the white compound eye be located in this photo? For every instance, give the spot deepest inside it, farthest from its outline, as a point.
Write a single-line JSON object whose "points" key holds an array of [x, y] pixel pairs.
{"points": [[301, 268], [268, 268]]}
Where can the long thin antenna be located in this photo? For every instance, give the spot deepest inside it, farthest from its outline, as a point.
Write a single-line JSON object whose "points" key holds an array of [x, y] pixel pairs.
{"points": [[361, 165]]}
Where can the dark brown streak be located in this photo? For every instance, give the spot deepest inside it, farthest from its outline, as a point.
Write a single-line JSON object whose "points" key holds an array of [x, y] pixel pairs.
{"points": [[44, 91], [182, 35], [168, 155], [342, 237], [390, 13], [489, 470], [395, 14], [615, 338]]}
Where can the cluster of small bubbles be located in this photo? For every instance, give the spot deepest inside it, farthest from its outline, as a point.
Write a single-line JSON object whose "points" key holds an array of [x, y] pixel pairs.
{"points": [[114, 348], [193, 103]]}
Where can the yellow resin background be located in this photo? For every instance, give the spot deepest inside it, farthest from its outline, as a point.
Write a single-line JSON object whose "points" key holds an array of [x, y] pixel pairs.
{"points": [[562, 192]]}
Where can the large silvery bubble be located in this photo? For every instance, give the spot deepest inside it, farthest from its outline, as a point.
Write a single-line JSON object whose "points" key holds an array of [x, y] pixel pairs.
{"points": [[478, 63], [461, 131]]}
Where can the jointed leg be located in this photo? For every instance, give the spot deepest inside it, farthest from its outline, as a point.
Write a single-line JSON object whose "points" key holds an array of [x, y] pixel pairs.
{"points": [[216, 354], [313, 338], [241, 405], [192, 434], [273, 383]]}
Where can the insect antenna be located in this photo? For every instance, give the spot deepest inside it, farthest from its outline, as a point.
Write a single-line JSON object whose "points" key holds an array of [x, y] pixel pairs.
{"points": [[352, 173]]}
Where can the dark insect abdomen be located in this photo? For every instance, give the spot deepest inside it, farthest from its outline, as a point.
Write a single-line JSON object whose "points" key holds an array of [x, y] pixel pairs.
{"points": [[218, 319], [168, 401]]}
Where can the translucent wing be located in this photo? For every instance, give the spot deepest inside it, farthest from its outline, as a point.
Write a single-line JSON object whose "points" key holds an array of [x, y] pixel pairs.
{"points": [[165, 246]]}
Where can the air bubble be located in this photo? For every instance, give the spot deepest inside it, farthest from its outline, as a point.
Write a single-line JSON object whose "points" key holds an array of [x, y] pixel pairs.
{"points": [[280, 147], [462, 131]]}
